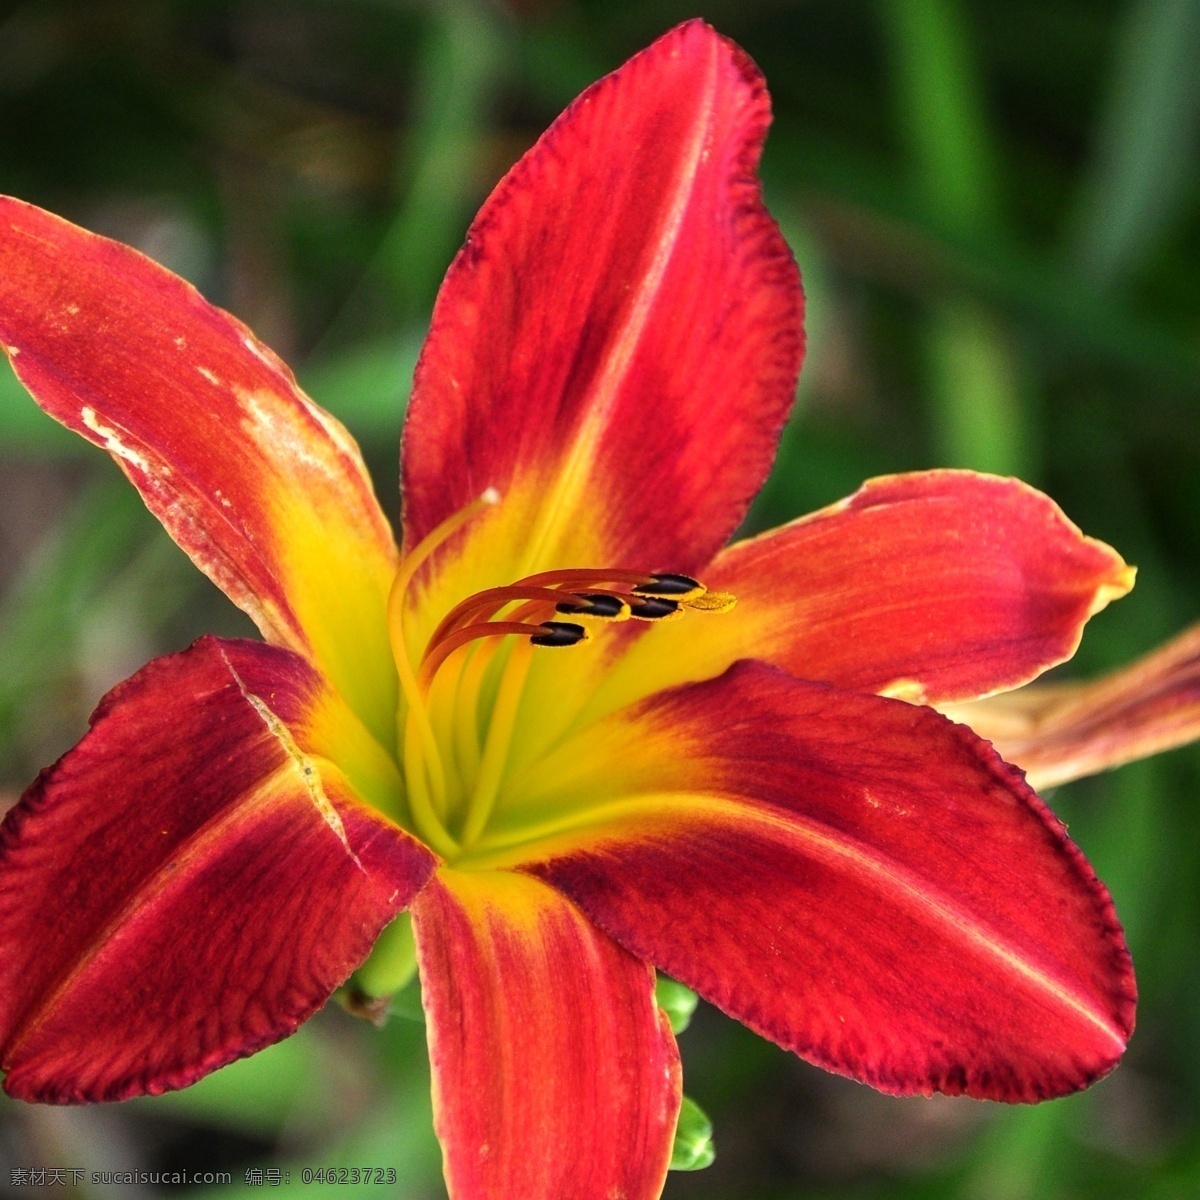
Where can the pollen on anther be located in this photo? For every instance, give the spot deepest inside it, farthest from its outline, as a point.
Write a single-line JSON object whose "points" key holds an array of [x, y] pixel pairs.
{"points": [[712, 602]]}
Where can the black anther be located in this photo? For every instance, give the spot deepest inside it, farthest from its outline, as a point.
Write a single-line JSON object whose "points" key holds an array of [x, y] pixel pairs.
{"points": [[668, 585], [593, 604], [653, 608], [559, 633]]}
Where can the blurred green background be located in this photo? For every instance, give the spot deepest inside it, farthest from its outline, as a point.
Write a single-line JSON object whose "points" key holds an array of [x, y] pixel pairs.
{"points": [[997, 212]]}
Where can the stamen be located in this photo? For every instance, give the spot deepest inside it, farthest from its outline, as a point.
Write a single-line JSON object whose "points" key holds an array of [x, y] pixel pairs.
{"points": [[497, 742], [547, 633], [467, 689], [467, 692], [560, 633], [485, 604], [678, 587], [607, 606], [655, 608]]}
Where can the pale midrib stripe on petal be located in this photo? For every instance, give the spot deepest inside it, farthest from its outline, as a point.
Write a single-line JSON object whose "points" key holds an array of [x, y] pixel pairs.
{"points": [[274, 789], [618, 821]]}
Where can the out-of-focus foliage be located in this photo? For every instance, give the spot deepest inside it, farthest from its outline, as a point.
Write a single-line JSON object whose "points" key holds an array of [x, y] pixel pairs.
{"points": [[996, 208]]}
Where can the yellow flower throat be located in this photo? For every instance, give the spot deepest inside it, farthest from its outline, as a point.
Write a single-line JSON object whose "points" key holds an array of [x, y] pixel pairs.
{"points": [[490, 638]]}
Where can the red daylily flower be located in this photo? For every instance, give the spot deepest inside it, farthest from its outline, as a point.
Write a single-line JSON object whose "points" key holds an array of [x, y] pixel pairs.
{"points": [[734, 795]]}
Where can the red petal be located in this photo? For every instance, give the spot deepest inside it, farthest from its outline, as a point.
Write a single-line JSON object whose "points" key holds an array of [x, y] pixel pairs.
{"points": [[554, 1073], [856, 878], [616, 346], [186, 885], [267, 493], [934, 586], [954, 583]]}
